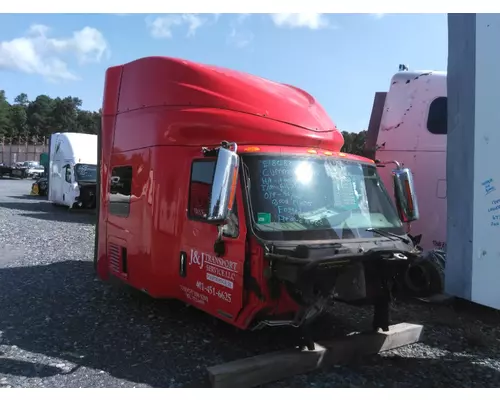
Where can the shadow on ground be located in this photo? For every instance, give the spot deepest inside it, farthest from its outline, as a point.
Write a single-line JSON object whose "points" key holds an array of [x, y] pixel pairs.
{"points": [[28, 369], [29, 197], [61, 310], [47, 211]]}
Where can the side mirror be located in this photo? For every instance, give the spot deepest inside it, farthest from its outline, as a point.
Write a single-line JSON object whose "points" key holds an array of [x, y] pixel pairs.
{"points": [[224, 185], [404, 193]]}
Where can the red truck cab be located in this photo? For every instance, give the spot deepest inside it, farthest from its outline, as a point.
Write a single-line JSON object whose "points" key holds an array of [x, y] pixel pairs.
{"points": [[229, 192]]}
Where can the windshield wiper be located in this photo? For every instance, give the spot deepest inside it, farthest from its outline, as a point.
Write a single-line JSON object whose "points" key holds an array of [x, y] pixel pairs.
{"points": [[388, 234]]}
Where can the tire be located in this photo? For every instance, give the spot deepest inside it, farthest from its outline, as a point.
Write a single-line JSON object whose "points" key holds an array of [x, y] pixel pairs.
{"points": [[426, 276]]}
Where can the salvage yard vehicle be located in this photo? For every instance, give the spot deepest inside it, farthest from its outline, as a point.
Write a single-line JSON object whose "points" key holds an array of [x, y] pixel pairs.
{"points": [[229, 192], [72, 169], [409, 124], [15, 171], [33, 169]]}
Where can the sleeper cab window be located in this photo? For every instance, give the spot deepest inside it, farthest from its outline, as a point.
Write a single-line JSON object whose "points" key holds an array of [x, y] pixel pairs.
{"points": [[202, 172], [67, 173], [437, 120], [120, 190]]}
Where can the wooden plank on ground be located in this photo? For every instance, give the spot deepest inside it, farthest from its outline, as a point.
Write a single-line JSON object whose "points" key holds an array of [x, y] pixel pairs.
{"points": [[271, 367]]}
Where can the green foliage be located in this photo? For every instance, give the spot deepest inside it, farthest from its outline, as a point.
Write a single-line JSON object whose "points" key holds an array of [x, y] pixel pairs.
{"points": [[354, 142], [34, 121], [4, 114]]}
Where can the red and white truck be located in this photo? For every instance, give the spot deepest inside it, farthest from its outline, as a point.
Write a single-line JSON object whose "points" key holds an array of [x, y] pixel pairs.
{"points": [[229, 192]]}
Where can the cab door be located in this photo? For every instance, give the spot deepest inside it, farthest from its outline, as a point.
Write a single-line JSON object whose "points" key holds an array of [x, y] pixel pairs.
{"points": [[209, 281]]}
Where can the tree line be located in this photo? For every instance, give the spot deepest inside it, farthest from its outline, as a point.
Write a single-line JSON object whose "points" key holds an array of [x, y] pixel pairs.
{"points": [[354, 142], [32, 121]]}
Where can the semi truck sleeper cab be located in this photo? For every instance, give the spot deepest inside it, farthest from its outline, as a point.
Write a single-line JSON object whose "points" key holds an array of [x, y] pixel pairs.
{"points": [[229, 192]]}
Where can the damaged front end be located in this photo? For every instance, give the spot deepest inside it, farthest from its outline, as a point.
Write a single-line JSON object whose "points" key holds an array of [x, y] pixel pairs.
{"points": [[330, 232], [86, 180], [315, 276], [86, 198], [327, 225]]}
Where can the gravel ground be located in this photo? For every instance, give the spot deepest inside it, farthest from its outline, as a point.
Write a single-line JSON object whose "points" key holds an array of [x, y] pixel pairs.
{"points": [[60, 327]]}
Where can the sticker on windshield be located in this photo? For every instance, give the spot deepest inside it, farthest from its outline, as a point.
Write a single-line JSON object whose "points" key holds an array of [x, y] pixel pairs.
{"points": [[263, 218]]}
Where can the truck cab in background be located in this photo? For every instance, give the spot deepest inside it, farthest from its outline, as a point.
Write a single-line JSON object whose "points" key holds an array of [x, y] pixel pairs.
{"points": [[409, 124], [72, 169], [229, 192]]}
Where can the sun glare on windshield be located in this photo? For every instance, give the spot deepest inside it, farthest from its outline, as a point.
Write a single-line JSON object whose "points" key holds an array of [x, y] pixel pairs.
{"points": [[304, 172]]}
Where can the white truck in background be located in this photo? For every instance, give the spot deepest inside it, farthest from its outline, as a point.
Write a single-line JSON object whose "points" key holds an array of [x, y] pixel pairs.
{"points": [[72, 169], [409, 124]]}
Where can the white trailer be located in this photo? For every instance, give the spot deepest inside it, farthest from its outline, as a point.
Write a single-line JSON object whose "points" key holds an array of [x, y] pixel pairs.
{"points": [[73, 169]]}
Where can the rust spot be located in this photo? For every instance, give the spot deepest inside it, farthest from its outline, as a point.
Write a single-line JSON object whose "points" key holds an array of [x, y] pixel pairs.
{"points": [[423, 74], [393, 127]]}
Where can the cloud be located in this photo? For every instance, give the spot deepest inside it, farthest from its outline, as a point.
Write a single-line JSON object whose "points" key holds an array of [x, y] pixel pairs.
{"points": [[240, 37], [300, 20], [162, 27], [39, 53]]}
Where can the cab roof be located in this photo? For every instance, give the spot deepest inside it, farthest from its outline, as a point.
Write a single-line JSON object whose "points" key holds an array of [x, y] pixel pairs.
{"points": [[408, 76], [165, 81]]}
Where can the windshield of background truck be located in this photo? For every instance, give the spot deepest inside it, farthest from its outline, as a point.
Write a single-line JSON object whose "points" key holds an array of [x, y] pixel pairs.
{"points": [[315, 198], [86, 172]]}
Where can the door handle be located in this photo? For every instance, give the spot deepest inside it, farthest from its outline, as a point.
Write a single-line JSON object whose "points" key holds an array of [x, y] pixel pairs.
{"points": [[183, 264]]}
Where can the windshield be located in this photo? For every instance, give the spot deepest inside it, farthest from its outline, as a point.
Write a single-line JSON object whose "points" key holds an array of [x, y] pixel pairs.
{"points": [[86, 172], [315, 198]]}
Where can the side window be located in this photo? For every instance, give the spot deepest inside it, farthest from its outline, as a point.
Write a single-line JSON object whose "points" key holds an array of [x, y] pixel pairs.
{"points": [[437, 120], [202, 172], [120, 191], [67, 173]]}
